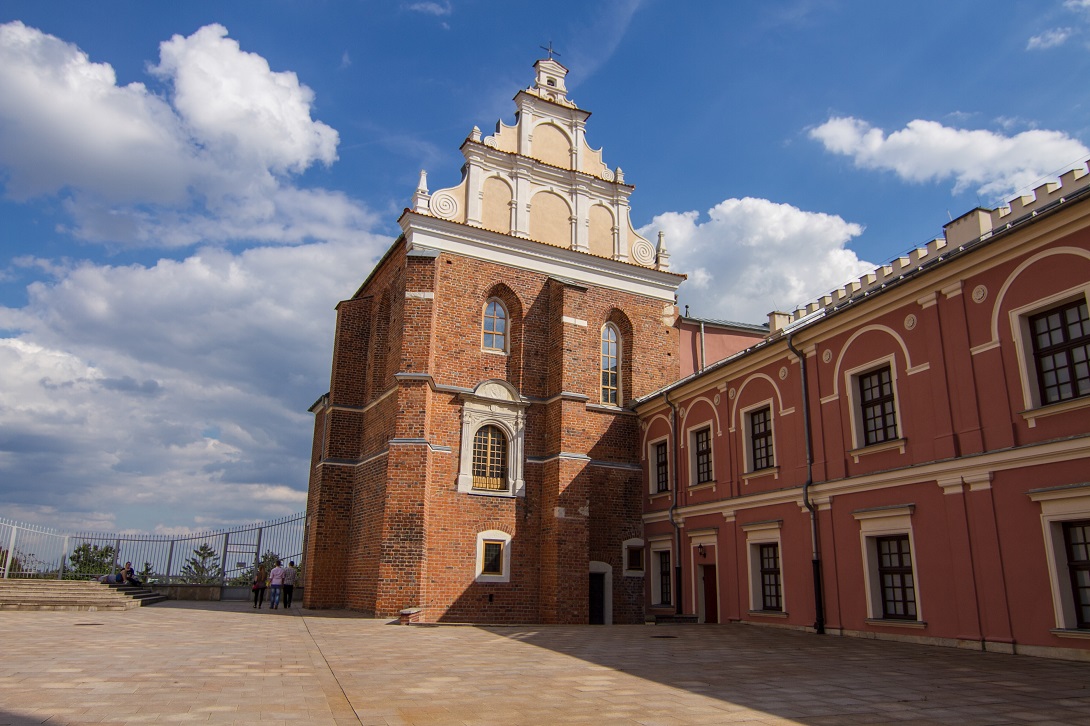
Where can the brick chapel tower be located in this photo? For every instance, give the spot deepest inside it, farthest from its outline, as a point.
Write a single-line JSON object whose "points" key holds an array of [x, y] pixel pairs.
{"points": [[476, 456]]}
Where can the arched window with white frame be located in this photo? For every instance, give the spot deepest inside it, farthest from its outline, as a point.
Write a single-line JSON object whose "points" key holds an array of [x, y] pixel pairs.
{"points": [[494, 327], [611, 365]]}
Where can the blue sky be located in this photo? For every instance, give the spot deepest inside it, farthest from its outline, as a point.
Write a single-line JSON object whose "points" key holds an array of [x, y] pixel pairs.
{"points": [[186, 192]]}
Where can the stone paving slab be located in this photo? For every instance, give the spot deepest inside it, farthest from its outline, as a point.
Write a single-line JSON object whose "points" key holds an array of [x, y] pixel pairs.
{"points": [[220, 663]]}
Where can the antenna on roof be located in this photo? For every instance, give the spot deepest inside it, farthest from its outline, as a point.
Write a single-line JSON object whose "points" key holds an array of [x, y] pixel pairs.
{"points": [[550, 50]]}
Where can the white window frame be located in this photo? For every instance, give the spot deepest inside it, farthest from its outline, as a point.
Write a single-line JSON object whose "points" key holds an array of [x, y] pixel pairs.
{"points": [[757, 534], [1027, 363], [498, 404], [1059, 505], [855, 405], [506, 329], [652, 464], [690, 435], [620, 353], [886, 522], [656, 546], [747, 454], [493, 535], [626, 547]]}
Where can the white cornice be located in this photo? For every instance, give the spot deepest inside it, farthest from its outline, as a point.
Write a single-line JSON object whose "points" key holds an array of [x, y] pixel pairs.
{"points": [[426, 232]]}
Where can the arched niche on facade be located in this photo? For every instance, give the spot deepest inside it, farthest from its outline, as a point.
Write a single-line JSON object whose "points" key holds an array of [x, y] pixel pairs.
{"points": [[494, 403]]}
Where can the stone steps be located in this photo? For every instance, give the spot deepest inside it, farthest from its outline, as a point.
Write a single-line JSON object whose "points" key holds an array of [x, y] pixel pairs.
{"points": [[72, 595]]}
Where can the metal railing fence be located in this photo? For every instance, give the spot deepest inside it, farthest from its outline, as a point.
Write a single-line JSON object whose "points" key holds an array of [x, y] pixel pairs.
{"points": [[218, 557]]}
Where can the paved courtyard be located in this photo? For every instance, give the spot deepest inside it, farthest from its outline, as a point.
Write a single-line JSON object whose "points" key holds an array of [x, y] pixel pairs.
{"points": [[229, 663]]}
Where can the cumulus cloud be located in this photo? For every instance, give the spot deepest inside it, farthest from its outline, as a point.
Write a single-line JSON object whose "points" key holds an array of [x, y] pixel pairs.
{"points": [[927, 151], [1049, 39], [752, 256], [210, 162], [133, 390]]}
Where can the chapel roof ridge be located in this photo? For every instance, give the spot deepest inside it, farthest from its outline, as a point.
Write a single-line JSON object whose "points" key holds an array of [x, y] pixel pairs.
{"points": [[959, 234]]}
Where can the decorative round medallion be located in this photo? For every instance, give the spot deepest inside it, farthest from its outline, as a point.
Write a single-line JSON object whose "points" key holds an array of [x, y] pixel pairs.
{"points": [[783, 373], [980, 294], [910, 321], [731, 394], [716, 399], [827, 355], [681, 412], [642, 252], [444, 205]]}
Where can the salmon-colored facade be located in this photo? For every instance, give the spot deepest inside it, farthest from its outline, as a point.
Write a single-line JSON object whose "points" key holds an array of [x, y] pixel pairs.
{"points": [[906, 458]]}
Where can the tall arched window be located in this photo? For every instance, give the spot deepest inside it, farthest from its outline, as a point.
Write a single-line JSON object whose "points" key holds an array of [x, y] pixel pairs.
{"points": [[490, 459], [611, 369], [494, 327]]}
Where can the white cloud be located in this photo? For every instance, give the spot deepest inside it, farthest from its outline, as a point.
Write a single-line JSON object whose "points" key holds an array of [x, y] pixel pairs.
{"points": [[752, 256], [134, 170], [926, 151], [1049, 39], [438, 9], [136, 390]]}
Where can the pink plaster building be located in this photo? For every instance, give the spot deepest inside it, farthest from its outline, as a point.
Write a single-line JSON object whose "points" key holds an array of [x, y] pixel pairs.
{"points": [[906, 458]]}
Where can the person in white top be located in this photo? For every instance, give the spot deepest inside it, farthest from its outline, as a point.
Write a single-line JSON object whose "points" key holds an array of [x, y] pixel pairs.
{"points": [[290, 574], [276, 584]]}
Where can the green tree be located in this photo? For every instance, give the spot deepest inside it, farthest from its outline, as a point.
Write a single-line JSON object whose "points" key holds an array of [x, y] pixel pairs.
{"points": [[203, 568], [89, 560], [246, 577], [13, 566], [146, 573]]}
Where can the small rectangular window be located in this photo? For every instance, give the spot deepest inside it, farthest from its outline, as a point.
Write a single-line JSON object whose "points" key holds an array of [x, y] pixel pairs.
{"points": [[760, 438], [771, 592], [702, 445], [879, 412], [662, 468], [1061, 351], [493, 558], [895, 576], [635, 559]]}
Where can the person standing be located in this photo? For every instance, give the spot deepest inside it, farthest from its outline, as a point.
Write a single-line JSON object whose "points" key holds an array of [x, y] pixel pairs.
{"points": [[290, 574], [259, 585], [276, 582]]}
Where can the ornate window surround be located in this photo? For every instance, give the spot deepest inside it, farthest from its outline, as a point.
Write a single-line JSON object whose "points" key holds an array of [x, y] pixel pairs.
{"points": [[497, 403]]}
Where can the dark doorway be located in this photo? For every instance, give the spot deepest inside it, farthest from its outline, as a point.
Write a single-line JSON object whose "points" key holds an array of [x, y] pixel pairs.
{"points": [[711, 602], [597, 598]]}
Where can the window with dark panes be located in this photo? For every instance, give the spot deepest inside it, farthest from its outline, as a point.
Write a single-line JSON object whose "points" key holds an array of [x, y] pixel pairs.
{"points": [[662, 468], [1077, 543], [493, 558], [635, 559], [771, 592], [664, 577], [760, 438], [610, 361], [895, 576], [878, 406], [1061, 351], [702, 444]]}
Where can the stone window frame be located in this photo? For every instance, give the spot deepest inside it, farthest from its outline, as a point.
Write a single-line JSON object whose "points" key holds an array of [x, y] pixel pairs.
{"points": [[695, 456], [494, 403], [757, 534], [887, 522], [506, 347], [653, 466], [627, 548], [1058, 506], [748, 454], [655, 548], [855, 404], [1033, 406], [493, 536]]}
